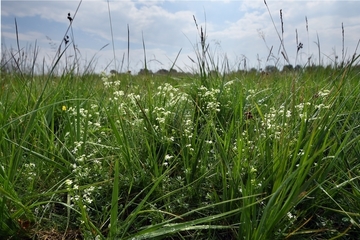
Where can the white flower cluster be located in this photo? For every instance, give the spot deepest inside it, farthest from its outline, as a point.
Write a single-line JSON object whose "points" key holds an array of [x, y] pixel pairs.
{"points": [[273, 121], [107, 82], [84, 195], [323, 93], [30, 171], [210, 99]]}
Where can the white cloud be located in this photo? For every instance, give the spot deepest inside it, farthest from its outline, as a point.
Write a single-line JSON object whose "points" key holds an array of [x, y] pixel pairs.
{"points": [[29, 36], [232, 27]]}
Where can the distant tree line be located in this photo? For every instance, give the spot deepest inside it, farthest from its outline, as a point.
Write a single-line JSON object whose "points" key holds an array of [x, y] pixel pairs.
{"points": [[269, 69], [144, 71], [159, 72]]}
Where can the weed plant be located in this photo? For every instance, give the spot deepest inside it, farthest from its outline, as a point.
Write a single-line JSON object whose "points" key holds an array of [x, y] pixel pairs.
{"points": [[213, 156]]}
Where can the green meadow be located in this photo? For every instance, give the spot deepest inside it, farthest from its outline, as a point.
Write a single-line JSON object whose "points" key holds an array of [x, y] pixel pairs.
{"points": [[208, 155], [235, 156]]}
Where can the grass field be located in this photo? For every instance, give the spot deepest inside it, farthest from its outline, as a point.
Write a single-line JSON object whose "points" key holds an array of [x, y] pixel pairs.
{"points": [[208, 155], [235, 156]]}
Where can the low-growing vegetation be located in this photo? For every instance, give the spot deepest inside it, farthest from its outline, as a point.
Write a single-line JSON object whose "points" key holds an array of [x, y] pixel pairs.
{"points": [[211, 155], [253, 156]]}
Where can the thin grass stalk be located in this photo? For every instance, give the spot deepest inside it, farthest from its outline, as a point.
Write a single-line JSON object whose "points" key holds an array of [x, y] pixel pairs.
{"points": [[144, 49], [201, 54], [128, 48], [354, 57], [112, 34], [122, 62], [343, 43], [174, 62], [75, 62], [308, 41], [17, 39], [270, 54], [319, 50], [282, 32], [35, 55], [59, 52], [114, 201], [19, 60], [281, 40]]}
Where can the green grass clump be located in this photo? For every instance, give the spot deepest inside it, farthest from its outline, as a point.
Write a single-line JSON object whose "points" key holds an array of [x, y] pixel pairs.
{"points": [[234, 156]]}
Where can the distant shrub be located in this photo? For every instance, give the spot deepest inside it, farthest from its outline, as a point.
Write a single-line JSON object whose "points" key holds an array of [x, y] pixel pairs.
{"points": [[144, 71]]}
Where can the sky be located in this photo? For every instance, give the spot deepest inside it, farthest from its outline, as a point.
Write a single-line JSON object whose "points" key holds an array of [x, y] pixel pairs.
{"points": [[243, 34]]}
